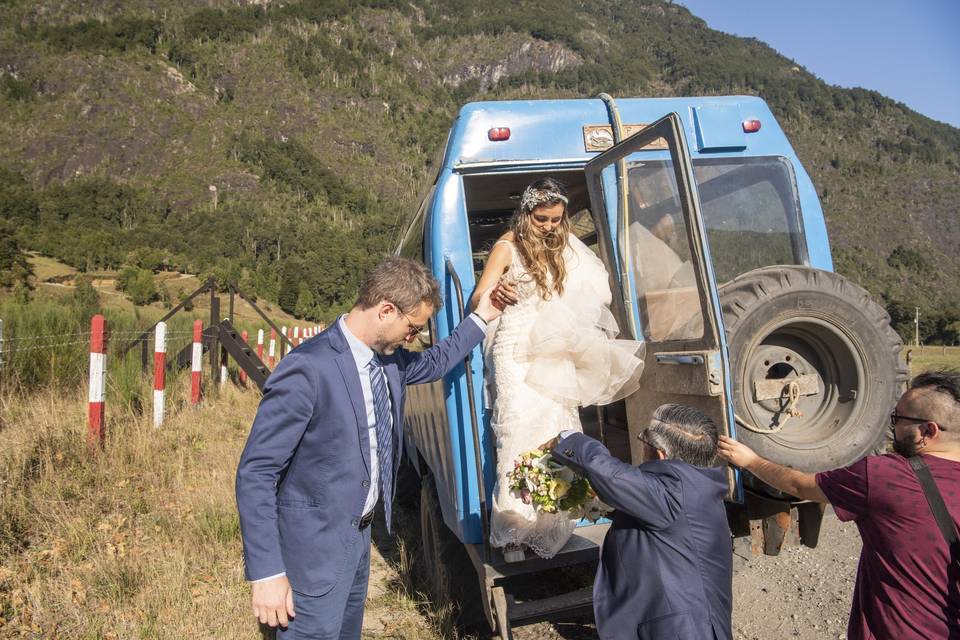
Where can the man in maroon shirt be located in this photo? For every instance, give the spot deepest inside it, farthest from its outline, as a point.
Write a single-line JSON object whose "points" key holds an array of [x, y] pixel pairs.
{"points": [[908, 586]]}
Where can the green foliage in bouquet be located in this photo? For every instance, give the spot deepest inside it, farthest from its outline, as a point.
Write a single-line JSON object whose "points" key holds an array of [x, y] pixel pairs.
{"points": [[539, 480]]}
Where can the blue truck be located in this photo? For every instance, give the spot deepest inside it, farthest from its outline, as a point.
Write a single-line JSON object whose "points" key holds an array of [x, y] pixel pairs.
{"points": [[719, 261]]}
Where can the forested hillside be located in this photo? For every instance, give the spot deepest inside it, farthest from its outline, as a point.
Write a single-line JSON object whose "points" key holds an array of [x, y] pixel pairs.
{"points": [[281, 145]]}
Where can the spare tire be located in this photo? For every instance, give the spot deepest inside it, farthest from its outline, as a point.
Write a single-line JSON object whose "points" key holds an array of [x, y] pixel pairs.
{"points": [[816, 366]]}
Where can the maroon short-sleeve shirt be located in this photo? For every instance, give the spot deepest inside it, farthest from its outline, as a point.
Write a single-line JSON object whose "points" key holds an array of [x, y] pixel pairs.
{"points": [[905, 587]]}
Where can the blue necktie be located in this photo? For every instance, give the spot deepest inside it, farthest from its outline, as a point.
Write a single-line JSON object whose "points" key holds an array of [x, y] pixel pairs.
{"points": [[381, 407]]}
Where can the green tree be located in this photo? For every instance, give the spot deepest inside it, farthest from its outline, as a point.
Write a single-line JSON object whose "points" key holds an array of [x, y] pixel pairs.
{"points": [[138, 284], [290, 280], [15, 269], [305, 304]]}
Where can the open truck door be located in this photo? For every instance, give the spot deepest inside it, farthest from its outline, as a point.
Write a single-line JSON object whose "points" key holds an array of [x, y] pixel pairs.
{"points": [[663, 270]]}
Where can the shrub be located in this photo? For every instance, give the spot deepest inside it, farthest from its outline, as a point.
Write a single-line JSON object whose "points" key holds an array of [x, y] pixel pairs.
{"points": [[86, 298], [138, 284]]}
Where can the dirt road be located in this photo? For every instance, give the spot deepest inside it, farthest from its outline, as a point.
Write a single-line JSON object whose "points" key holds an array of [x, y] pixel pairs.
{"points": [[802, 593]]}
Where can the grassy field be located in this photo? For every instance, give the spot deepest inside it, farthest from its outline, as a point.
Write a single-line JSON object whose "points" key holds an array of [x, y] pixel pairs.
{"points": [[54, 281], [141, 539], [932, 357]]}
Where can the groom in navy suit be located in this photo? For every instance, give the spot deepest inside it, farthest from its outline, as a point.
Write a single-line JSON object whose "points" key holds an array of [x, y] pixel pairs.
{"points": [[665, 566], [325, 447]]}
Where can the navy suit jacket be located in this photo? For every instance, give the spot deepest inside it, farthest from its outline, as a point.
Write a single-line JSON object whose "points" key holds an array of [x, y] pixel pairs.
{"points": [[666, 564], [304, 474]]}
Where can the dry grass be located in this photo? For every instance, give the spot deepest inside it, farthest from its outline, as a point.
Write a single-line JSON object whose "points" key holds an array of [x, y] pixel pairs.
{"points": [[141, 539], [45, 268]]}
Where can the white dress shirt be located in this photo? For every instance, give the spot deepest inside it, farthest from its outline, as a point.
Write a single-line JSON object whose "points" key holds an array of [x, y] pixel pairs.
{"points": [[362, 355]]}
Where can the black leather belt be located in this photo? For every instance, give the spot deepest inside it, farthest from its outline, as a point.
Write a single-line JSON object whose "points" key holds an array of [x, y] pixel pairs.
{"points": [[365, 521]]}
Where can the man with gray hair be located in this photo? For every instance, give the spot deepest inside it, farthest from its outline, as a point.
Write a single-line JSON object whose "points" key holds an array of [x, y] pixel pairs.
{"points": [[665, 569]]}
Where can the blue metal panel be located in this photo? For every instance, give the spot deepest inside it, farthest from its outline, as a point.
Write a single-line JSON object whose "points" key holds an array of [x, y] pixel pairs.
{"points": [[719, 127], [448, 238]]}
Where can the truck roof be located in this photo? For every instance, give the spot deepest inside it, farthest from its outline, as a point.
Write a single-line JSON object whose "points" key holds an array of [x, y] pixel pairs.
{"points": [[553, 131]]}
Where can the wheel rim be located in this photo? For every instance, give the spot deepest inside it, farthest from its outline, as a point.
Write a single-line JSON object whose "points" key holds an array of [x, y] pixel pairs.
{"points": [[796, 347]]}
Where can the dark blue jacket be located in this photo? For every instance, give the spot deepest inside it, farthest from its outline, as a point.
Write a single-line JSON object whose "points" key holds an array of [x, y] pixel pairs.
{"points": [[304, 475], [666, 564]]}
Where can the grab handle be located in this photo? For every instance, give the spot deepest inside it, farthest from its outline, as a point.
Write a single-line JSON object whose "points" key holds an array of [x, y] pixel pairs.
{"points": [[474, 427]]}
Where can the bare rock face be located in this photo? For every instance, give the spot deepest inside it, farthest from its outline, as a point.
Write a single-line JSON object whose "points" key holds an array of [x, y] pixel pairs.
{"points": [[532, 55]]}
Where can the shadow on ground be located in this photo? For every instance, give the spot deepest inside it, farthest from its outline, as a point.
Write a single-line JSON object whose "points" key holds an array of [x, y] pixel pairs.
{"points": [[402, 552]]}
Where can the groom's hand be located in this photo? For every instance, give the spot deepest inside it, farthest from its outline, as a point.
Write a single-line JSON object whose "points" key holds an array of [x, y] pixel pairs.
{"points": [[549, 444], [486, 308], [272, 601]]}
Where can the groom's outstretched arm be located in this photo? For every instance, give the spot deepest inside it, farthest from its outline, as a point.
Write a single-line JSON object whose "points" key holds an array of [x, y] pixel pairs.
{"points": [[438, 360], [651, 498]]}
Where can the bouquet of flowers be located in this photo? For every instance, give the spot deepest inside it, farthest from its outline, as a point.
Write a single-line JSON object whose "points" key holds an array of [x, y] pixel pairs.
{"points": [[550, 487]]}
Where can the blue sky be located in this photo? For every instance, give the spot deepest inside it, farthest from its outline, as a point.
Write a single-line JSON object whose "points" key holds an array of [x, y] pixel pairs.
{"points": [[908, 50]]}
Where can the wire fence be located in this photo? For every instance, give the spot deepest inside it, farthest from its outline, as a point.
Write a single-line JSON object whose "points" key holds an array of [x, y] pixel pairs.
{"points": [[34, 355]]}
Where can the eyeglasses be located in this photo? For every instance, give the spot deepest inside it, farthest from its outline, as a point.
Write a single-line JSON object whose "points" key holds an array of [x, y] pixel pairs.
{"points": [[641, 437], [896, 417], [412, 329]]}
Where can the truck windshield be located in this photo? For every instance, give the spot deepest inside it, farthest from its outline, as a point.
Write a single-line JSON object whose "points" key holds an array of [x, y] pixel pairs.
{"points": [[749, 205]]}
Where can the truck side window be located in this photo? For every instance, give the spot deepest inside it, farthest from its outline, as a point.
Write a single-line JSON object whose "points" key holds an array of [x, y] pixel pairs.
{"points": [[752, 213]]}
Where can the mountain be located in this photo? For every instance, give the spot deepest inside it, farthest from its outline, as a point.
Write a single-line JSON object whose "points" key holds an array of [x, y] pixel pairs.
{"points": [[282, 144]]}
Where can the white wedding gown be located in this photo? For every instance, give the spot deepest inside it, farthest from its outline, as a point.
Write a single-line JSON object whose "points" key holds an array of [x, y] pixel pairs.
{"points": [[545, 358]]}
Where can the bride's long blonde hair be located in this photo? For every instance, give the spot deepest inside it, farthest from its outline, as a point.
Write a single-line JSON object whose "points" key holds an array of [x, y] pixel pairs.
{"points": [[542, 255]]}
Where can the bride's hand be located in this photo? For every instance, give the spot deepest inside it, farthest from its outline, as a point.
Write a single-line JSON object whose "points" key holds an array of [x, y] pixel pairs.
{"points": [[504, 293], [486, 307]]}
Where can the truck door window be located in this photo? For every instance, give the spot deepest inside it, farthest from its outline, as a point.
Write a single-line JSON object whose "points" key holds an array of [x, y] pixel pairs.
{"points": [[668, 297]]}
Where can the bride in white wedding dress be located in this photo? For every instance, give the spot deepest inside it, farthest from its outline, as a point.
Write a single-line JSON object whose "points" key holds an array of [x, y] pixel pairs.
{"points": [[552, 350]]}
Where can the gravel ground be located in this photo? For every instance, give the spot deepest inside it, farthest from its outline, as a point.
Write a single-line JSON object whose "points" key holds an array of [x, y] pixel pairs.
{"points": [[802, 593]]}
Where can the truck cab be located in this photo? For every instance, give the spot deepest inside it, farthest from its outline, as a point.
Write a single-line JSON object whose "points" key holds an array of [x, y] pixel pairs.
{"points": [[719, 262]]}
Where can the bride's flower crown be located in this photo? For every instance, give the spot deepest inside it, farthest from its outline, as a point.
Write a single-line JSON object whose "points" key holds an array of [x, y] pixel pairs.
{"points": [[533, 198]]}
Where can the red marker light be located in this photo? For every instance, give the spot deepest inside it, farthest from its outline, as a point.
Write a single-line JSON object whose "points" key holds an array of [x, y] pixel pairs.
{"points": [[498, 133], [751, 126]]}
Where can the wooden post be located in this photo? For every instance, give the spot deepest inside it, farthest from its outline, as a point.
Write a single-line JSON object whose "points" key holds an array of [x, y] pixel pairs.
{"points": [[215, 341], [96, 412], [159, 372], [196, 363]]}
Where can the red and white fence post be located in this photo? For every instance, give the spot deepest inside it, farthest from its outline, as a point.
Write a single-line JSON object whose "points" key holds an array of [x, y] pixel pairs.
{"points": [[273, 348], [159, 371], [196, 364], [96, 413], [224, 375], [243, 373], [296, 336], [260, 344], [283, 343]]}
